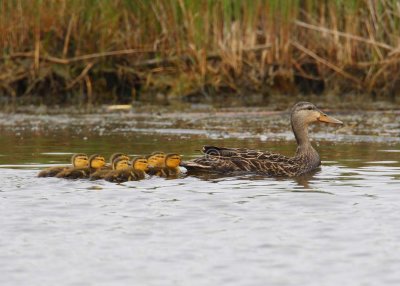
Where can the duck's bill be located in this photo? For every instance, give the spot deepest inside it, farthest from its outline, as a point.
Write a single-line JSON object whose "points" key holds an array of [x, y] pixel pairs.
{"points": [[329, 119]]}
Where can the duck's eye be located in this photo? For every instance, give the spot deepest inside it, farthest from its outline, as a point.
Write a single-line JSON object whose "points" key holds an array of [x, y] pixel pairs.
{"points": [[310, 108]]}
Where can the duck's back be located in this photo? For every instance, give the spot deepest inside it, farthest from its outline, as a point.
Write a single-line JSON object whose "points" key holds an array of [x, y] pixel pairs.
{"points": [[237, 160]]}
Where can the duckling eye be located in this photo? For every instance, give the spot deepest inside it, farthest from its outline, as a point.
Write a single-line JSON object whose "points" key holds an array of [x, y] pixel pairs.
{"points": [[310, 108]]}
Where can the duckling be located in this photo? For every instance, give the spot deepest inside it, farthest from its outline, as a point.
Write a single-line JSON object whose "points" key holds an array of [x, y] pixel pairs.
{"points": [[109, 166], [77, 160], [119, 163], [171, 166], [117, 155], [156, 161], [135, 173], [95, 162]]}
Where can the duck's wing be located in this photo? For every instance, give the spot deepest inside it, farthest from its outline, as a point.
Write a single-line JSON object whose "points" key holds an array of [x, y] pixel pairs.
{"points": [[244, 153], [237, 164]]}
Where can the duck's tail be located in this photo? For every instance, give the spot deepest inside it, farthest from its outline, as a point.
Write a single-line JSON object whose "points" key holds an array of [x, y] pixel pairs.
{"points": [[193, 166]]}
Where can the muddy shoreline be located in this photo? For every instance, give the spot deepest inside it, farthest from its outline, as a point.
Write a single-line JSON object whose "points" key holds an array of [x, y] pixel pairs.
{"points": [[257, 123], [348, 103]]}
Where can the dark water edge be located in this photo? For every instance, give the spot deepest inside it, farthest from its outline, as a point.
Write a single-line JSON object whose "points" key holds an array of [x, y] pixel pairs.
{"points": [[276, 102]]}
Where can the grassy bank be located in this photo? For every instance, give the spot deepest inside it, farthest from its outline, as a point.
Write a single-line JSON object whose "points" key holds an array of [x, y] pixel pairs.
{"points": [[103, 51]]}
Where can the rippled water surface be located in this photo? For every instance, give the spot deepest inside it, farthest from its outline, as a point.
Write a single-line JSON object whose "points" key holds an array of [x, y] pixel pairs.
{"points": [[340, 224]]}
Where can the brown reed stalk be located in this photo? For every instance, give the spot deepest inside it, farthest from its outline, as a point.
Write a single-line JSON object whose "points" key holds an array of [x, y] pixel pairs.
{"points": [[192, 46]]}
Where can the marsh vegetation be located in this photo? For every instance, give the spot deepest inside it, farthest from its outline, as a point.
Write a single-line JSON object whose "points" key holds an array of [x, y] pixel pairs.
{"points": [[118, 51]]}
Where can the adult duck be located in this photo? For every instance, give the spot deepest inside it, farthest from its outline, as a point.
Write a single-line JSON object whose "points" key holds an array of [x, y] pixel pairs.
{"points": [[241, 160]]}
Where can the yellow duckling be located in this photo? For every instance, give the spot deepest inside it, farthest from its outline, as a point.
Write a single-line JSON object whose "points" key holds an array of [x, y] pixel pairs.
{"points": [[119, 163], [77, 160], [109, 166], [156, 162], [134, 173], [117, 155], [171, 166], [95, 162]]}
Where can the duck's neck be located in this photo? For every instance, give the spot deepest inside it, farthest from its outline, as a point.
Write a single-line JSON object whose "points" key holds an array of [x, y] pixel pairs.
{"points": [[304, 147], [300, 131]]}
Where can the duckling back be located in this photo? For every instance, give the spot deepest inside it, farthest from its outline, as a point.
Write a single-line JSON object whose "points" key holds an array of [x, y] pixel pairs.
{"points": [[74, 173], [120, 176], [100, 174], [51, 172]]}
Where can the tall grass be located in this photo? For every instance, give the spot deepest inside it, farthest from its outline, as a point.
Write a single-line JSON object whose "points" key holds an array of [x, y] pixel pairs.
{"points": [[180, 47]]}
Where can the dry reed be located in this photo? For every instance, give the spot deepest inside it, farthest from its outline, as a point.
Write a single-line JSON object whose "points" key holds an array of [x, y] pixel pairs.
{"points": [[111, 51]]}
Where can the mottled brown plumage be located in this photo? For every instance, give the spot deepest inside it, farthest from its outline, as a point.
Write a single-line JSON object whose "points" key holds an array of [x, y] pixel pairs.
{"points": [[241, 160]]}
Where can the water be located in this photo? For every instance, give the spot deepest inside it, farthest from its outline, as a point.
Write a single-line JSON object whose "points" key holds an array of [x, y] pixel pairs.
{"points": [[337, 225]]}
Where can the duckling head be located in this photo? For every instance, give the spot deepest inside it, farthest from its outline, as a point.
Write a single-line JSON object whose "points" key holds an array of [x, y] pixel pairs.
{"points": [[140, 163], [96, 161], [80, 160], [118, 155], [120, 163], [156, 159], [172, 160]]}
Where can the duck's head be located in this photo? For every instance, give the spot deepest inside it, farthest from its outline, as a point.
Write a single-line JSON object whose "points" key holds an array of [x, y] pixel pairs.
{"points": [[80, 160], [306, 113], [120, 163], [140, 163], [118, 155], [172, 160], [96, 161], [156, 159]]}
